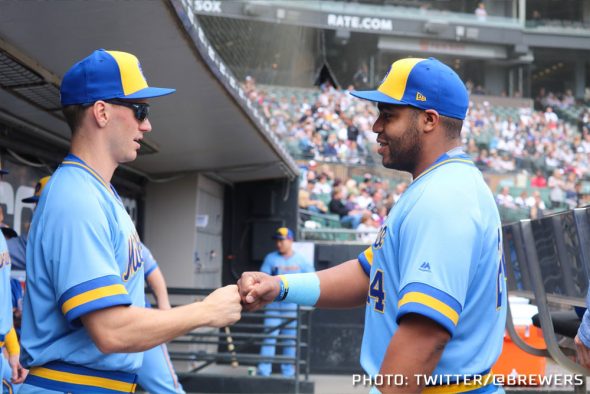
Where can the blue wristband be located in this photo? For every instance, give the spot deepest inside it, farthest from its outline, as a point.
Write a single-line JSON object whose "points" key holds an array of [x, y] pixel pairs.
{"points": [[301, 289]]}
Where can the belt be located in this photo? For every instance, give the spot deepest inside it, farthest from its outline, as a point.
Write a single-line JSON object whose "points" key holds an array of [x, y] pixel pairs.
{"points": [[60, 376]]}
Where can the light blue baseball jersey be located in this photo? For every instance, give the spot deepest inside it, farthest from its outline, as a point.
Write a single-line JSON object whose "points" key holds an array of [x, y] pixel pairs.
{"points": [[83, 255], [5, 299], [17, 247], [439, 254], [5, 291], [156, 374]]}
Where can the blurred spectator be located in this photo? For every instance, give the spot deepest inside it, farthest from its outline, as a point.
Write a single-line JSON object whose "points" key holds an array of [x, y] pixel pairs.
{"points": [[367, 229], [556, 184], [569, 187], [308, 200], [504, 199], [551, 117], [348, 218], [539, 180], [584, 122], [522, 200], [322, 186], [360, 79], [536, 18], [538, 206], [480, 12]]}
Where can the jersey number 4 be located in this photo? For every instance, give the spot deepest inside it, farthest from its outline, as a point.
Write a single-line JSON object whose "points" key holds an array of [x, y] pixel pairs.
{"points": [[376, 292]]}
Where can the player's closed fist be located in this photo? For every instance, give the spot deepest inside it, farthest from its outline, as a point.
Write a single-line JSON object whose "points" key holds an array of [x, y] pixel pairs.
{"points": [[258, 289], [225, 305]]}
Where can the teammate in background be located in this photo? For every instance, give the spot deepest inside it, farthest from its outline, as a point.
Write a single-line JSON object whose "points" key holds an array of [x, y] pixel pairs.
{"points": [[8, 336], [85, 326], [433, 281], [17, 246], [17, 303], [284, 261], [156, 374]]}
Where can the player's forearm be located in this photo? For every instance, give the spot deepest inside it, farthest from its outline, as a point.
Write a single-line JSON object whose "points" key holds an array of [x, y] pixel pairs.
{"points": [[413, 352], [124, 329], [158, 285], [343, 286]]}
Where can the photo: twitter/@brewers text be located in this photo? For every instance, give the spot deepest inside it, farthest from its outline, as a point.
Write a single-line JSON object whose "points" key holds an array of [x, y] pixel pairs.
{"points": [[467, 380]]}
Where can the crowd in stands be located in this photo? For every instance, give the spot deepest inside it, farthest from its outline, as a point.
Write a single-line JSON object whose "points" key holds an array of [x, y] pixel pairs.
{"points": [[553, 154], [362, 205], [330, 126], [555, 100]]}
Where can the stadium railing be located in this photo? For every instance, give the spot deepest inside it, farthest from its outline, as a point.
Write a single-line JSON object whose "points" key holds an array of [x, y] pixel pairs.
{"points": [[519, 282], [209, 346], [558, 274]]}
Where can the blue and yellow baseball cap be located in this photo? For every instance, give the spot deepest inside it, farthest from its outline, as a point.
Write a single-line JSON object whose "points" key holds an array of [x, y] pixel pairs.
{"points": [[106, 75], [424, 84], [283, 233], [38, 190]]}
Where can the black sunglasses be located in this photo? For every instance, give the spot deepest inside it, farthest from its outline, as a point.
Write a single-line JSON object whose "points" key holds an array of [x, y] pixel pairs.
{"points": [[140, 110]]}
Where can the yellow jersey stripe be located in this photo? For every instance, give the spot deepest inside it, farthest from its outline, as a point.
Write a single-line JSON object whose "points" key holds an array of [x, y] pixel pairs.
{"points": [[396, 87], [463, 387], [92, 295], [94, 173], [430, 302], [131, 77], [369, 255], [72, 378], [467, 161]]}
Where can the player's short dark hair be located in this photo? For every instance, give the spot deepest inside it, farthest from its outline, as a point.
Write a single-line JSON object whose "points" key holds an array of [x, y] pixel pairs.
{"points": [[74, 114], [9, 233], [452, 127]]}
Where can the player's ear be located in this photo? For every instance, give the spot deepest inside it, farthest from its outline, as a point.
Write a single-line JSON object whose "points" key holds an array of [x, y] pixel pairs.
{"points": [[101, 113], [431, 119]]}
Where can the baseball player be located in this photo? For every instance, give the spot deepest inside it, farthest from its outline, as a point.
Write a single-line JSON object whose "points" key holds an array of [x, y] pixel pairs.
{"points": [[85, 326], [283, 261], [433, 281], [17, 246], [8, 339], [156, 374], [17, 302]]}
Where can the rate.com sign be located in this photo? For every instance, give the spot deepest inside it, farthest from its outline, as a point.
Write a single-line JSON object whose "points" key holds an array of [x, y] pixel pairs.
{"points": [[357, 22]]}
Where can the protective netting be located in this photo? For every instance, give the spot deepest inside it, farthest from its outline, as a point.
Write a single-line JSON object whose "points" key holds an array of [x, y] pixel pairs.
{"points": [[273, 54]]}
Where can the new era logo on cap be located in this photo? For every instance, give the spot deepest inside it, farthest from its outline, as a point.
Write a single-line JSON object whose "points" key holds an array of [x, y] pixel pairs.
{"points": [[107, 75], [424, 84]]}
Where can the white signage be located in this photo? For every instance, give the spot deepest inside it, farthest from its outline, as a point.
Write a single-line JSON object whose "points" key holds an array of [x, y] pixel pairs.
{"points": [[213, 7], [357, 22]]}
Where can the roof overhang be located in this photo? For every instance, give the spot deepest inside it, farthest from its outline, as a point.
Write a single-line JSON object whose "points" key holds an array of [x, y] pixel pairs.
{"points": [[203, 127]]}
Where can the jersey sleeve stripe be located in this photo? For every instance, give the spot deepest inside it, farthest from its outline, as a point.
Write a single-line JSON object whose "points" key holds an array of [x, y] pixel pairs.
{"points": [[366, 260], [148, 271], [92, 295], [430, 307], [417, 287], [89, 285]]}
